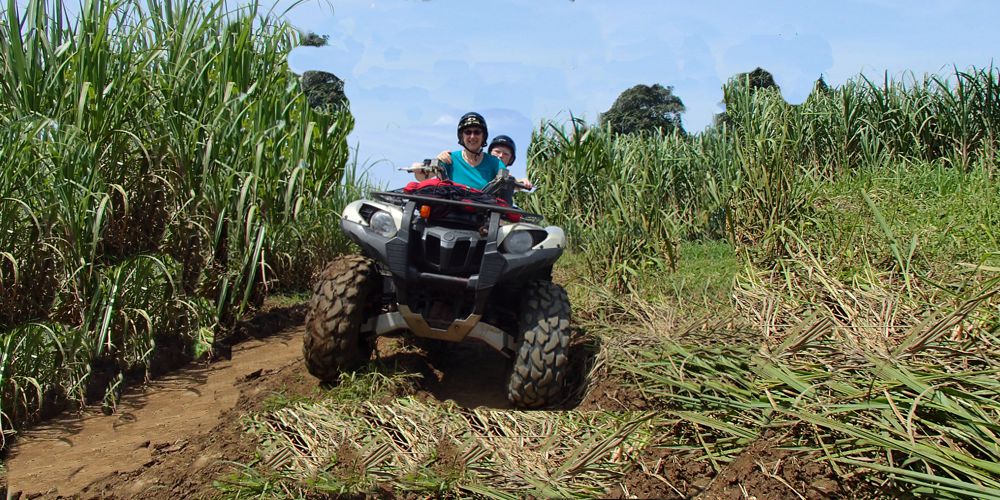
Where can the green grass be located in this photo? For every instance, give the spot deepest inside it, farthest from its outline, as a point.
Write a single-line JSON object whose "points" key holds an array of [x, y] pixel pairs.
{"points": [[288, 299], [703, 277], [162, 172], [950, 217]]}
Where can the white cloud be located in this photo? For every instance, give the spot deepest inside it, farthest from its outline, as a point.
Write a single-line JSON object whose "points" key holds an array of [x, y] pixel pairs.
{"points": [[445, 120]]}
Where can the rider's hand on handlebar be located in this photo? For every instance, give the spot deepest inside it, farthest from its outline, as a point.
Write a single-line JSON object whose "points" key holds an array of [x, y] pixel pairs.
{"points": [[421, 171], [444, 157], [524, 184]]}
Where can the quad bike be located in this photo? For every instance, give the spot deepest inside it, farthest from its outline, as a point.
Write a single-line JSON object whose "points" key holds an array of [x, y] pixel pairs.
{"points": [[451, 270]]}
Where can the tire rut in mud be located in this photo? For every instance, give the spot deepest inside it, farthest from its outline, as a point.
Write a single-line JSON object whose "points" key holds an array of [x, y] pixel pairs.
{"points": [[166, 439]]}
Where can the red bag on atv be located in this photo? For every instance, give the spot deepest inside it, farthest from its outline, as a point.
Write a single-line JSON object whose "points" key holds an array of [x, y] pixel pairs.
{"points": [[448, 190]]}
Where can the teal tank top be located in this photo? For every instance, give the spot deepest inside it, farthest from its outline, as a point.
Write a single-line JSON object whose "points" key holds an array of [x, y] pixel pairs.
{"points": [[476, 177]]}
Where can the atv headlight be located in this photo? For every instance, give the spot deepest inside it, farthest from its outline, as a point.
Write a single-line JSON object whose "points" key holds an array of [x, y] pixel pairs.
{"points": [[382, 223], [518, 242]]}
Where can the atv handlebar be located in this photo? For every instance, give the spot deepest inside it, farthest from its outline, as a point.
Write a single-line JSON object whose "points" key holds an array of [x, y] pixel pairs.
{"points": [[431, 167], [391, 196], [504, 184]]}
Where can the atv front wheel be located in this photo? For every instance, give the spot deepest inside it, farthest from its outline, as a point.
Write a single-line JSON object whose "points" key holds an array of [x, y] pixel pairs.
{"points": [[340, 301], [541, 363]]}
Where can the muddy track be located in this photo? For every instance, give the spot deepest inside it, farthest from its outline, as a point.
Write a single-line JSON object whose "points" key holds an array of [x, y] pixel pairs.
{"points": [[184, 411], [173, 436]]}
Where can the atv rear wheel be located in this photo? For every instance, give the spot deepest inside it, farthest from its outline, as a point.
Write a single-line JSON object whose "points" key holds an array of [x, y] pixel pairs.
{"points": [[541, 363], [340, 302]]}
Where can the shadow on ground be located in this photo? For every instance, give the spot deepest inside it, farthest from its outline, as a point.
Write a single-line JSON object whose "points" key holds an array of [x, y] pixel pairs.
{"points": [[473, 375]]}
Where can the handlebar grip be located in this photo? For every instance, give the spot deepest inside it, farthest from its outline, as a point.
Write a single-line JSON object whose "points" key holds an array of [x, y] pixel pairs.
{"points": [[427, 165]]}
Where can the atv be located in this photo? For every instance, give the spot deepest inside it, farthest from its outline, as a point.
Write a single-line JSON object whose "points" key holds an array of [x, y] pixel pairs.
{"points": [[445, 262]]}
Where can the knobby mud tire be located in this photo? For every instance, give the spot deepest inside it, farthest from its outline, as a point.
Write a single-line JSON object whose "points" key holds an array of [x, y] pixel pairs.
{"points": [[332, 343], [539, 372]]}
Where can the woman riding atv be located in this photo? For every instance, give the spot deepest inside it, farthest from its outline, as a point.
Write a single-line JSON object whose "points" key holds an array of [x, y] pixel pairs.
{"points": [[470, 165]]}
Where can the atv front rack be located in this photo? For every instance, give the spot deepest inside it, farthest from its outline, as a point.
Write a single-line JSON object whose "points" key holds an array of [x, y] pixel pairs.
{"points": [[407, 281], [389, 197]]}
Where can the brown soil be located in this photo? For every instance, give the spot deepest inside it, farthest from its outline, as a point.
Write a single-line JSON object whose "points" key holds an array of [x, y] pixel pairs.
{"points": [[474, 375], [762, 470], [167, 438], [766, 471], [470, 374], [661, 473], [612, 394]]}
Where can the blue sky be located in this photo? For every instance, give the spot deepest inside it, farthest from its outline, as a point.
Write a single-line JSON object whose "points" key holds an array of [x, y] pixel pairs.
{"points": [[412, 67]]}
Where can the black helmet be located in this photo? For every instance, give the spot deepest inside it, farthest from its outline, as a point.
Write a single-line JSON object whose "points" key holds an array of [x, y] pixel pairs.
{"points": [[506, 141], [472, 119]]}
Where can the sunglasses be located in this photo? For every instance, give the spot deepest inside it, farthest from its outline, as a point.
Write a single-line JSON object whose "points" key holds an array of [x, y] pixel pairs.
{"points": [[472, 131]]}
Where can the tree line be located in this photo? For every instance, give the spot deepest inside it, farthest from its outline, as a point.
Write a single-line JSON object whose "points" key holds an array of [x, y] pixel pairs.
{"points": [[647, 108]]}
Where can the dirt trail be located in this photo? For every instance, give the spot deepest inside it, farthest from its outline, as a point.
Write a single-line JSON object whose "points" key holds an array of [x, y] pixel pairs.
{"points": [[170, 438], [175, 436], [64, 455]]}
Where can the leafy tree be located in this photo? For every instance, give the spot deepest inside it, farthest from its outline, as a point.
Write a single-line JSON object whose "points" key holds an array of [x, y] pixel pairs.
{"points": [[645, 107], [324, 91], [757, 79], [311, 39], [821, 88]]}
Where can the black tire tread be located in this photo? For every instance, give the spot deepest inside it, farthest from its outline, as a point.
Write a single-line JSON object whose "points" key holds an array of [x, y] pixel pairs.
{"points": [[541, 364], [331, 344]]}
